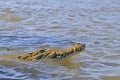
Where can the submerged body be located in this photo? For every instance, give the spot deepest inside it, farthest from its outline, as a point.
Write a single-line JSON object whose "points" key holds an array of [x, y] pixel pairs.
{"points": [[52, 53]]}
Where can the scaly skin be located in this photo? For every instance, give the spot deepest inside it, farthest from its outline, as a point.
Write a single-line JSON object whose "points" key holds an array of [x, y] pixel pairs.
{"points": [[52, 53]]}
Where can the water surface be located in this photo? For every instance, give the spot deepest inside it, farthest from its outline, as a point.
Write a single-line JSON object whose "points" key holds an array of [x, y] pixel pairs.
{"points": [[27, 25]]}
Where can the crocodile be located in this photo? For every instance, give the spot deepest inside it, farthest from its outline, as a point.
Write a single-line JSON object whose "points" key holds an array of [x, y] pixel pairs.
{"points": [[54, 53]]}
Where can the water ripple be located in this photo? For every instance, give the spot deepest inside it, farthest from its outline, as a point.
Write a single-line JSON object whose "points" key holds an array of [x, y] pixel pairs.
{"points": [[29, 25]]}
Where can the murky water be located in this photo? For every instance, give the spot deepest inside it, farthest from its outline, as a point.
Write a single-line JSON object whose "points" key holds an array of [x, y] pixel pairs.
{"points": [[27, 25]]}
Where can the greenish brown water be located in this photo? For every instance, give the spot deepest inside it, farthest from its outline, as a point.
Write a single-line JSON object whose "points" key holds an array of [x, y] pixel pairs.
{"points": [[27, 25]]}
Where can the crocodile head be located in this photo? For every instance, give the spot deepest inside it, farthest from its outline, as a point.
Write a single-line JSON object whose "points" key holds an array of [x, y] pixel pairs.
{"points": [[60, 54], [78, 46]]}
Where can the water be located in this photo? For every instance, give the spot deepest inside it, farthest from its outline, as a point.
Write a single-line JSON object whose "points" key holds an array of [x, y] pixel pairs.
{"points": [[27, 25]]}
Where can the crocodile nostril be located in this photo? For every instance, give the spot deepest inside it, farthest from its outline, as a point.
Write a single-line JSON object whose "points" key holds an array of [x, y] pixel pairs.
{"points": [[83, 46]]}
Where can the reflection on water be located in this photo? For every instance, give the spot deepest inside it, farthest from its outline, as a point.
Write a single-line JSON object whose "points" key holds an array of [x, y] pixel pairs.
{"points": [[42, 69], [29, 25]]}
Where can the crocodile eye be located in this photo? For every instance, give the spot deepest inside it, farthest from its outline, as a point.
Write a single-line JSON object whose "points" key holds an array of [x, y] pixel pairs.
{"points": [[41, 51], [19, 57]]}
